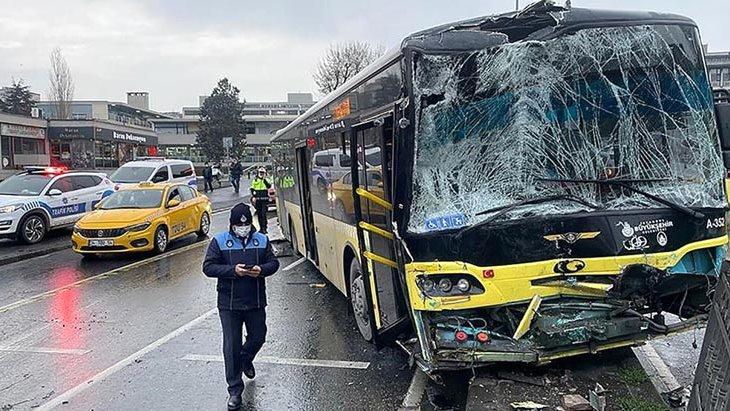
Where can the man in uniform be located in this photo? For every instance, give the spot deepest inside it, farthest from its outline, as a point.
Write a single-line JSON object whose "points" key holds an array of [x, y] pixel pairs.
{"points": [[240, 259], [260, 197]]}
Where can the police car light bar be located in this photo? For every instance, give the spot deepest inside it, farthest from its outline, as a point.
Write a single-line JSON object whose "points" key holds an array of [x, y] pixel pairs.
{"points": [[44, 169], [150, 158]]}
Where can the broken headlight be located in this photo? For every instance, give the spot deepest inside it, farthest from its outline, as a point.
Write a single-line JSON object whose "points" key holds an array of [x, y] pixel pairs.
{"points": [[449, 285]]}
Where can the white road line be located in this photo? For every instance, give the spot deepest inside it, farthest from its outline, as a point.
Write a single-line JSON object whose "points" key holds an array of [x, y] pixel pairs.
{"points": [[657, 370], [262, 359], [46, 350], [28, 300], [294, 264], [412, 400], [101, 376]]}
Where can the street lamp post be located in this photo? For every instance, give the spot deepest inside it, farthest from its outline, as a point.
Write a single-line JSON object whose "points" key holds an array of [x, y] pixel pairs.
{"points": [[517, 5]]}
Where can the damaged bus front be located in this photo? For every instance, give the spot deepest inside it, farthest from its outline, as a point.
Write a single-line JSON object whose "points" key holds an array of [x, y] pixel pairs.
{"points": [[566, 184]]}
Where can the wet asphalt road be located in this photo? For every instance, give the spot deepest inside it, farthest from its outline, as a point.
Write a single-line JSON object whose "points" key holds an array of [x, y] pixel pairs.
{"points": [[149, 338]]}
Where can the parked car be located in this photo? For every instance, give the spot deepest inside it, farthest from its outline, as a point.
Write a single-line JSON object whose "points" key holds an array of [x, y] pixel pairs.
{"points": [[46, 198], [155, 170], [144, 217]]}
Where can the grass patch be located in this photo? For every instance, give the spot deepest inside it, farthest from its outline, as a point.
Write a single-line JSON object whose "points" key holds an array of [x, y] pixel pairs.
{"points": [[638, 404], [632, 375]]}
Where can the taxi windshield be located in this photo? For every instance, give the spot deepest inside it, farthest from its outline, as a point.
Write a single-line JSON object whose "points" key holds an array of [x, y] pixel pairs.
{"points": [[133, 199], [131, 174], [24, 184]]}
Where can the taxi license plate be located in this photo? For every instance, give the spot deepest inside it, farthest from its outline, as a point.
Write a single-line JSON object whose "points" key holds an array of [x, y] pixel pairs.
{"points": [[101, 243]]}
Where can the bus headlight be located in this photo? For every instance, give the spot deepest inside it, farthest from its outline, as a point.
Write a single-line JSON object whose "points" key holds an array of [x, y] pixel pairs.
{"points": [[449, 285]]}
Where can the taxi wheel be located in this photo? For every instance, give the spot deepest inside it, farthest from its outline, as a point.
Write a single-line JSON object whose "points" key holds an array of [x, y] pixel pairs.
{"points": [[358, 300], [32, 229], [161, 240], [204, 226]]}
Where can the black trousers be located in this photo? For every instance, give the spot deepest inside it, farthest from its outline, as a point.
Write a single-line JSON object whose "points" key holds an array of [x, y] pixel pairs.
{"points": [[208, 184], [236, 354], [262, 205]]}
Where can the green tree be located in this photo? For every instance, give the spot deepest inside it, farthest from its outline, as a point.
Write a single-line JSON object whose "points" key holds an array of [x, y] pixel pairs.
{"points": [[221, 116], [17, 99]]}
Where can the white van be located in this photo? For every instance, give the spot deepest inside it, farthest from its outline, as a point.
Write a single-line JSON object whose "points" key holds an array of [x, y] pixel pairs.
{"points": [[156, 170]]}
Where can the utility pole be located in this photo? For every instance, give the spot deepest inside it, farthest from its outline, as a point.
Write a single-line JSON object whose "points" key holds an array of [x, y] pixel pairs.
{"points": [[517, 5]]}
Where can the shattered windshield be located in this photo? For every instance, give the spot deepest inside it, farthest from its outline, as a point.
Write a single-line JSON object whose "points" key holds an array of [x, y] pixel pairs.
{"points": [[493, 126]]}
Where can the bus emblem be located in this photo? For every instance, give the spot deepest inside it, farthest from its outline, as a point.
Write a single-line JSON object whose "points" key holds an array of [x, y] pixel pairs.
{"points": [[572, 238]]}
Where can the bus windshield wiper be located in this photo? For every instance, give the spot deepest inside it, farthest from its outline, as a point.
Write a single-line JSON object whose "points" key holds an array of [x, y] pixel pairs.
{"points": [[624, 183], [502, 210]]}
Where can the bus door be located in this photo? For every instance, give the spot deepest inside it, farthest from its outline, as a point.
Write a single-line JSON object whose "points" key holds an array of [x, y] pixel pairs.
{"points": [[371, 183], [305, 199]]}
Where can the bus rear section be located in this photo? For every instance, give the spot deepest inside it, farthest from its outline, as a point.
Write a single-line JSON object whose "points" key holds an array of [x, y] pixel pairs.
{"points": [[564, 185]]}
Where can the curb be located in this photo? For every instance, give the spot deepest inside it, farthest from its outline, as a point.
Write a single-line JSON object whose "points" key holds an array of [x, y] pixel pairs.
{"points": [[33, 254]]}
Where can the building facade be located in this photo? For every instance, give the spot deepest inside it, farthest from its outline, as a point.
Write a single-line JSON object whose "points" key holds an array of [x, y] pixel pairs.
{"points": [[177, 136], [101, 134], [718, 67], [23, 142]]}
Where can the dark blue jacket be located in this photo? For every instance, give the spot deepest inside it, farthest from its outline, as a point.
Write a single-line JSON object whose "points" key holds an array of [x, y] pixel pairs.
{"points": [[224, 252]]}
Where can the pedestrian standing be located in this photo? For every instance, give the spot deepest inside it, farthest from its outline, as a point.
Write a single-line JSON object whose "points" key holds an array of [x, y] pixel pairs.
{"points": [[260, 197], [240, 259], [208, 177], [236, 173]]}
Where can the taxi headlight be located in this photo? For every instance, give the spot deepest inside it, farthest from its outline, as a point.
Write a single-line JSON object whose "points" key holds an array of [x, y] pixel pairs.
{"points": [[76, 229], [138, 227], [9, 208]]}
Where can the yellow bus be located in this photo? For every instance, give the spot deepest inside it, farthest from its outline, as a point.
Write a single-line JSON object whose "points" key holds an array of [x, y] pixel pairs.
{"points": [[515, 188]]}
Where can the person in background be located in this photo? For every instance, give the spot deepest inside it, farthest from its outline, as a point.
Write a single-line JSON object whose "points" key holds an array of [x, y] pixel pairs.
{"points": [[241, 259], [236, 173], [260, 197], [208, 177], [216, 171]]}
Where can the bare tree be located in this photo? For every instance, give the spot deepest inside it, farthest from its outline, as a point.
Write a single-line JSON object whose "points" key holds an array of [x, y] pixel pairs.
{"points": [[342, 61], [61, 91]]}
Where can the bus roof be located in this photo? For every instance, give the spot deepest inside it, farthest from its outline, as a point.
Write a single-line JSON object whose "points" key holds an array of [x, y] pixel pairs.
{"points": [[505, 27]]}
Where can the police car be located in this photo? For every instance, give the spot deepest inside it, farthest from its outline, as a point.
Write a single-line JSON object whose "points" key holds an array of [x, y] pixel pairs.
{"points": [[45, 198], [155, 170]]}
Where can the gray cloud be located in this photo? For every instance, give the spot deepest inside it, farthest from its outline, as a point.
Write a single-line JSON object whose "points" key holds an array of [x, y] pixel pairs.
{"points": [[177, 50]]}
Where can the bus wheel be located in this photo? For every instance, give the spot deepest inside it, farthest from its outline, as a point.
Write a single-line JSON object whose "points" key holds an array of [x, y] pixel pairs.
{"points": [[358, 300]]}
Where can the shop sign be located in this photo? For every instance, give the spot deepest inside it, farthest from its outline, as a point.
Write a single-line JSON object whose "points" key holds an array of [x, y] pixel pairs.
{"points": [[71, 133], [17, 130], [124, 136], [342, 109]]}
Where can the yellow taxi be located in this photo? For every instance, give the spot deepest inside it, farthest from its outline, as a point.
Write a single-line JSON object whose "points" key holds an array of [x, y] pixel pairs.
{"points": [[145, 217]]}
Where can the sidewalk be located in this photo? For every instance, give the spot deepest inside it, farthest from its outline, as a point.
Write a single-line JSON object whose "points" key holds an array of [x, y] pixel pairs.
{"points": [[57, 240]]}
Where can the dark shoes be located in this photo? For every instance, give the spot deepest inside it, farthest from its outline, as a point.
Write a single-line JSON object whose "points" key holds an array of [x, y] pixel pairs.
{"points": [[234, 402], [249, 371]]}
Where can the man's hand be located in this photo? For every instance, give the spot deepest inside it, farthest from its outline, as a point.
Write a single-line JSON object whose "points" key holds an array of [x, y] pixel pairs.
{"points": [[254, 271], [253, 199], [241, 270]]}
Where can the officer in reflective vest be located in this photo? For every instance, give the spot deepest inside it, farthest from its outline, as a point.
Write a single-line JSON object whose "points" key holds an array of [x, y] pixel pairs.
{"points": [[260, 197], [240, 259]]}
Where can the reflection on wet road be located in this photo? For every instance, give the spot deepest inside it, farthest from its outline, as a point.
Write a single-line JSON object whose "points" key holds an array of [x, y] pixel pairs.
{"points": [[140, 330]]}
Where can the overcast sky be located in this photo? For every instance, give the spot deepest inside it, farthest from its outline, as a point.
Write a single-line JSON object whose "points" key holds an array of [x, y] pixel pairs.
{"points": [[177, 50]]}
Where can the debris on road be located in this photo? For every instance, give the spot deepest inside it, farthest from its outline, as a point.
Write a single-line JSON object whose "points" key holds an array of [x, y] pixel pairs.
{"points": [[575, 402], [597, 398], [317, 285], [527, 405]]}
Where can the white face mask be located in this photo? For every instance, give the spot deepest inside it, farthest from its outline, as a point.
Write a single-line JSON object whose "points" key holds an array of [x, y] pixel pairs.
{"points": [[242, 230]]}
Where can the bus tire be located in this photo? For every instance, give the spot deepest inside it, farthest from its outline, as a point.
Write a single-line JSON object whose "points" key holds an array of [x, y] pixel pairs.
{"points": [[358, 300]]}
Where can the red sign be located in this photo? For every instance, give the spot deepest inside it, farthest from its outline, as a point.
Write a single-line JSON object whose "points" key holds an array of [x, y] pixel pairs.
{"points": [[311, 142]]}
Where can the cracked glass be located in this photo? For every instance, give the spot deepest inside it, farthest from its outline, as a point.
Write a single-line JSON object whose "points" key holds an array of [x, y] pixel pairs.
{"points": [[499, 126]]}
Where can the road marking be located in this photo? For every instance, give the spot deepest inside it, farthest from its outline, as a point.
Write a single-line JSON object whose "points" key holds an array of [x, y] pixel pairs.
{"points": [[127, 267], [412, 400], [306, 362], [101, 376], [657, 370], [294, 264], [46, 350]]}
